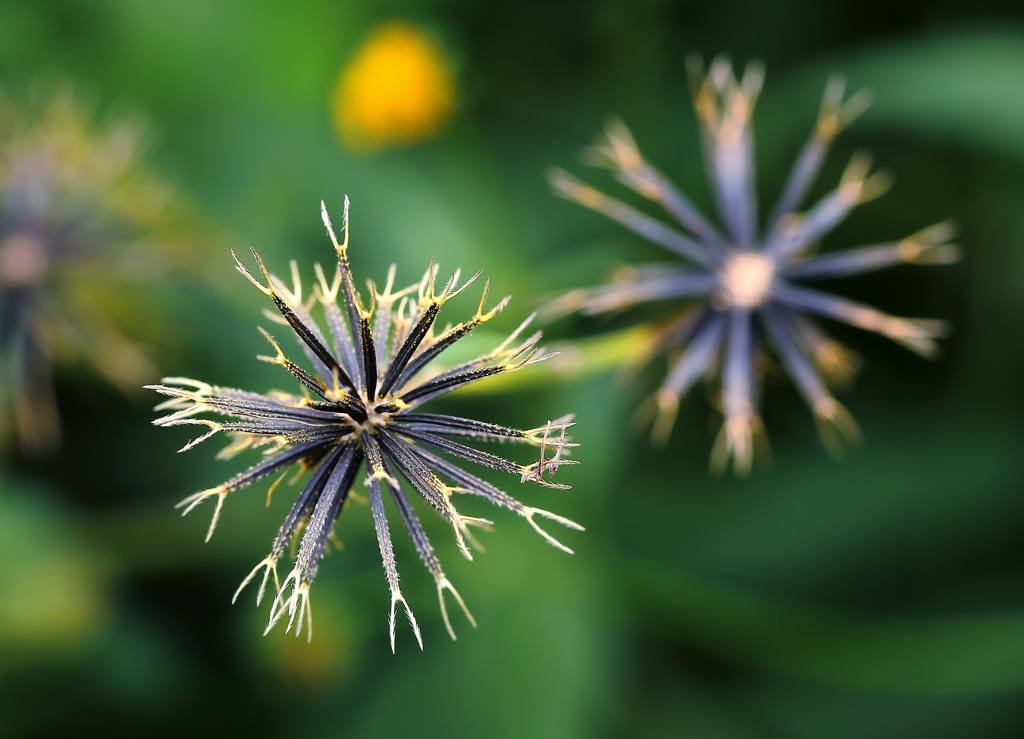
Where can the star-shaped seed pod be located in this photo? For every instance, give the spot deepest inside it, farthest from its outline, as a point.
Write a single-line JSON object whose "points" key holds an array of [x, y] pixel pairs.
{"points": [[361, 408], [745, 281]]}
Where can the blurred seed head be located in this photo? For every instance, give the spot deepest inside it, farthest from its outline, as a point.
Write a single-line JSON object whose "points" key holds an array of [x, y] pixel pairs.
{"points": [[742, 282], [80, 214]]}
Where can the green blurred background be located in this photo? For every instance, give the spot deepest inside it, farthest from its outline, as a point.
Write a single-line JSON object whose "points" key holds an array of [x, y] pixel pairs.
{"points": [[878, 596]]}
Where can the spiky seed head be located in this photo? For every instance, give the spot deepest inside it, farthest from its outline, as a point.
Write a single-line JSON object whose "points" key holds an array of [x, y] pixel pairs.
{"points": [[741, 273], [361, 413]]}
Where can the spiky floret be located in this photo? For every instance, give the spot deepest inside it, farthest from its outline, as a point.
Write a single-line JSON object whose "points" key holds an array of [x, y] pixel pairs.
{"points": [[360, 408], [735, 275]]}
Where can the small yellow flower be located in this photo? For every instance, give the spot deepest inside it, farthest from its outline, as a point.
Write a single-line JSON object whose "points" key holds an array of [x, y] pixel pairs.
{"points": [[397, 90]]}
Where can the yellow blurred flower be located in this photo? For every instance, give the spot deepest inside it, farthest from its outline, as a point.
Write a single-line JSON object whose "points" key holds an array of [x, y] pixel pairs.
{"points": [[398, 89]]}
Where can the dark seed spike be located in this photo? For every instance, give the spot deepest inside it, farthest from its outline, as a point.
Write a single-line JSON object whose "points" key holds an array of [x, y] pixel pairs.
{"points": [[369, 353], [472, 484], [426, 552], [445, 341], [374, 456], [448, 338], [461, 450], [469, 481], [378, 472], [353, 304], [461, 426], [240, 405], [280, 428], [412, 525], [300, 511], [416, 472], [270, 466], [499, 352], [325, 513], [383, 534], [305, 378], [309, 339], [448, 383], [178, 391], [325, 432], [428, 485], [242, 409], [305, 334], [297, 372], [416, 335], [293, 298], [262, 429], [387, 554], [354, 309], [463, 367], [448, 431], [306, 501], [350, 405]]}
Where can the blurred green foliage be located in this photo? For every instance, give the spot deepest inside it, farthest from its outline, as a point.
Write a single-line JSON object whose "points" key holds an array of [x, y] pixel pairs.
{"points": [[879, 596]]}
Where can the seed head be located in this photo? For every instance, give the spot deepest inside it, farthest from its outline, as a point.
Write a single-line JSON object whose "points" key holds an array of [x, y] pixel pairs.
{"points": [[744, 281], [80, 216], [360, 409]]}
